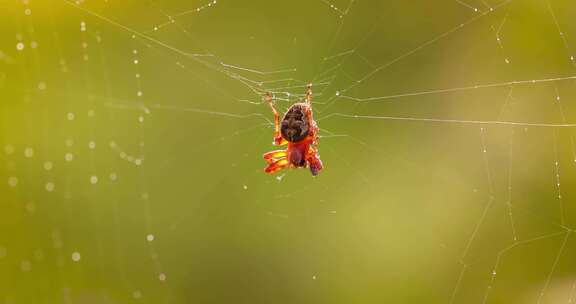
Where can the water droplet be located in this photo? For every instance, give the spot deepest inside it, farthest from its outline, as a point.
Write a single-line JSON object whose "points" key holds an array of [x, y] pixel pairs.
{"points": [[76, 256], [29, 152], [69, 157], [8, 149], [12, 181], [48, 165], [25, 266], [137, 294]]}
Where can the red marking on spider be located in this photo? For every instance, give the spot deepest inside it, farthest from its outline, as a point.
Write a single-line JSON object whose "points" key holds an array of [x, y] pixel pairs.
{"points": [[300, 132]]}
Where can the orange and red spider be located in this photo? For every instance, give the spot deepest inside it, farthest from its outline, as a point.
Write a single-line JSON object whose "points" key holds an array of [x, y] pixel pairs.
{"points": [[300, 132]]}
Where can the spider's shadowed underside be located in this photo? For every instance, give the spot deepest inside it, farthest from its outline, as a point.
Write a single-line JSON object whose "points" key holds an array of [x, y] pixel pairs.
{"points": [[299, 131]]}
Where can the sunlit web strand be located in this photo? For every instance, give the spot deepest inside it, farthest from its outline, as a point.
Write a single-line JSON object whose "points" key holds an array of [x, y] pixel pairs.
{"points": [[486, 162], [194, 74], [504, 251], [343, 56], [171, 18], [418, 48], [480, 222], [217, 113], [257, 87], [335, 8], [217, 88], [562, 114], [499, 38], [134, 32], [334, 38], [144, 194], [230, 74], [554, 265], [136, 293], [198, 9], [561, 33], [439, 37], [299, 86], [452, 121], [257, 71], [469, 242], [557, 176], [187, 109], [92, 158], [265, 82], [439, 91], [194, 56], [339, 55], [506, 103], [468, 5], [336, 135], [486, 4], [509, 199], [177, 25]]}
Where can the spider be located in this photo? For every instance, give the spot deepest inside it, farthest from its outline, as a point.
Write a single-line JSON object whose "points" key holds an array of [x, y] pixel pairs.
{"points": [[299, 130]]}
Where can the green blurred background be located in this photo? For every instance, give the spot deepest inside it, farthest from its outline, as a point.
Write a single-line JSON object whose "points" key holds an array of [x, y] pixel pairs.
{"points": [[131, 166]]}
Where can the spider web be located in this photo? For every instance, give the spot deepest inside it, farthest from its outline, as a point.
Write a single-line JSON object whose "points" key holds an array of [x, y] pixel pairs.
{"points": [[132, 136]]}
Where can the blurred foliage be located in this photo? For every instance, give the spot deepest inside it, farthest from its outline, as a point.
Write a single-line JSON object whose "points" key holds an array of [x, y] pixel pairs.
{"points": [[132, 134]]}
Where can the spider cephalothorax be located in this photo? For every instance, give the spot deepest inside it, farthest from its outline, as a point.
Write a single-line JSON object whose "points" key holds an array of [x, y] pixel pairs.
{"points": [[299, 131]]}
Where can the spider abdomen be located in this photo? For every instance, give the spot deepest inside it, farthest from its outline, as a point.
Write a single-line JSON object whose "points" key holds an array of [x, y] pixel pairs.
{"points": [[295, 125]]}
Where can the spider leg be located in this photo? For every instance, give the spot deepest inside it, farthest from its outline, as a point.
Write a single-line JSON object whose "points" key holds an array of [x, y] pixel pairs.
{"points": [[314, 161], [278, 140], [309, 93], [315, 164], [277, 165], [273, 156]]}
